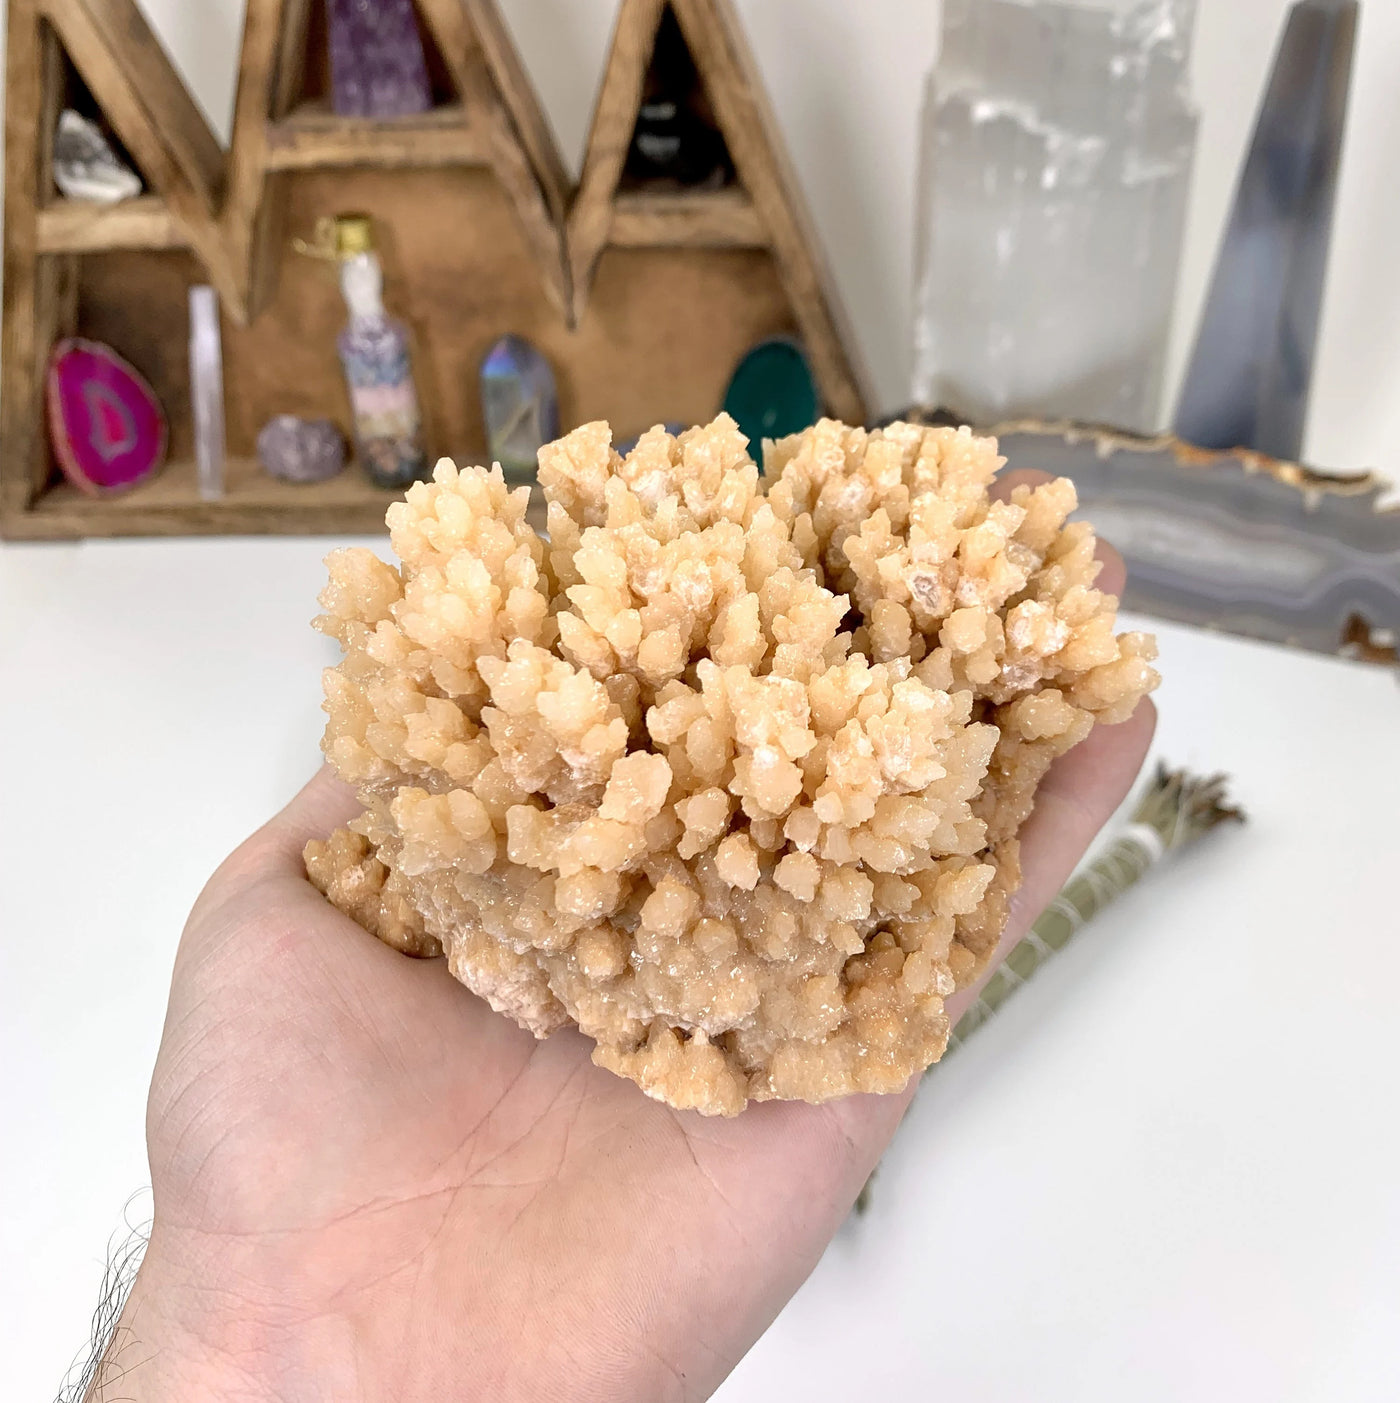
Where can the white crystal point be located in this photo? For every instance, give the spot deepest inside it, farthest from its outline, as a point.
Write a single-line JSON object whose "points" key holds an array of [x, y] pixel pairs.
{"points": [[84, 165], [1058, 140], [207, 391]]}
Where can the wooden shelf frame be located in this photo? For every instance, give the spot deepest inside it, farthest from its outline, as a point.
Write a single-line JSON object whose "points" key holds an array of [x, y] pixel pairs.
{"points": [[312, 137], [77, 226], [227, 210], [225, 207], [685, 219]]}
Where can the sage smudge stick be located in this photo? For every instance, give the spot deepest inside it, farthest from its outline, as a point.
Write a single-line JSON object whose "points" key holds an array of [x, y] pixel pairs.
{"points": [[1176, 809]]}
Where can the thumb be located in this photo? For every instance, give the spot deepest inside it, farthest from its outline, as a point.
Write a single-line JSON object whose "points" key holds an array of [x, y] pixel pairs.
{"points": [[324, 804]]}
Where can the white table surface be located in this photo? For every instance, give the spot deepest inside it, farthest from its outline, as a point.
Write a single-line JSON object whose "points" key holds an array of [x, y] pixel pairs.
{"points": [[1166, 1172]]}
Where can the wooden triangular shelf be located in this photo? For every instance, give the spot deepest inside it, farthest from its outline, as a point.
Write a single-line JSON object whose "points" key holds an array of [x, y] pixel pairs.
{"points": [[141, 100], [472, 211], [760, 208]]}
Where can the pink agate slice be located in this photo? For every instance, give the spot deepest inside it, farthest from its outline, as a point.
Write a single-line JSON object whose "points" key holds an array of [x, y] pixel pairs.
{"points": [[108, 429]]}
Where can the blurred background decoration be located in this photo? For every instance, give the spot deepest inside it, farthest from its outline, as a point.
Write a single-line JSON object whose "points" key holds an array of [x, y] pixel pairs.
{"points": [[412, 139], [494, 301]]}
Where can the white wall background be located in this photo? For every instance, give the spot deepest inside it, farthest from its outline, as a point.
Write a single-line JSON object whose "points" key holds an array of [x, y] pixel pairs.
{"points": [[846, 79]]}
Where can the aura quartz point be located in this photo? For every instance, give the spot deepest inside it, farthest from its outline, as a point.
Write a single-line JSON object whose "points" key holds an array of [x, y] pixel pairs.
{"points": [[1057, 147], [520, 404], [207, 391], [301, 450], [106, 425], [377, 64]]}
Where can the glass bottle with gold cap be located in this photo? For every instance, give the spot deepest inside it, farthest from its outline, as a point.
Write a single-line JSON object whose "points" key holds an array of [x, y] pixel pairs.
{"points": [[374, 353]]}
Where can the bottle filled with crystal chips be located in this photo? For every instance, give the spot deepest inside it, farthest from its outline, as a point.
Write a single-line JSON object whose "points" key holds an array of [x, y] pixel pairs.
{"points": [[374, 352]]}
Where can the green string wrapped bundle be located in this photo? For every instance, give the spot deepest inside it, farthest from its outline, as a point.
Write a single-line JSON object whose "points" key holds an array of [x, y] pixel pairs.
{"points": [[1176, 809]]}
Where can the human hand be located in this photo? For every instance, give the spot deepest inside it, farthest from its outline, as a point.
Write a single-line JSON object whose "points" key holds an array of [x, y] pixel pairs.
{"points": [[369, 1186]]}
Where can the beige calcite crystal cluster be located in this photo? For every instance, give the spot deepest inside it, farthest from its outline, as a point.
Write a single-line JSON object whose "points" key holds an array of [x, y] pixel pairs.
{"points": [[727, 772]]}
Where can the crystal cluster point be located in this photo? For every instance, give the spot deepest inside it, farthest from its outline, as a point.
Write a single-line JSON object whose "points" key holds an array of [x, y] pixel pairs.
{"points": [[84, 165]]}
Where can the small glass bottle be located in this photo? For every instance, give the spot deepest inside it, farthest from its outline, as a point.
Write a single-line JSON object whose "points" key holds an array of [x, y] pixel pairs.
{"points": [[374, 353]]}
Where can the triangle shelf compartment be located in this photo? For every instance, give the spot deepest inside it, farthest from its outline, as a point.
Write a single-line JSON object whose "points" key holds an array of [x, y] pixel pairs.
{"points": [[304, 70], [101, 58], [688, 61], [484, 117]]}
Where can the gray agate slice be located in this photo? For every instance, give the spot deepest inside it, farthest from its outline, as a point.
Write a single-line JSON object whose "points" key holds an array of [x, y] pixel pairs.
{"points": [[1234, 540]]}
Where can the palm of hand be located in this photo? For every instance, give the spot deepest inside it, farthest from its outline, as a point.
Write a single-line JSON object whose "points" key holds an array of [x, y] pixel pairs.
{"points": [[375, 1150], [382, 1189]]}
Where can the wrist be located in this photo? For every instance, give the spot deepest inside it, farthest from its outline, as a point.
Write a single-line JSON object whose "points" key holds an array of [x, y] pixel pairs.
{"points": [[182, 1335]]}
